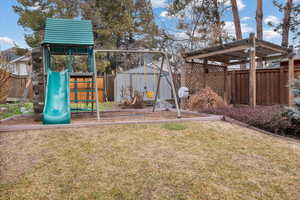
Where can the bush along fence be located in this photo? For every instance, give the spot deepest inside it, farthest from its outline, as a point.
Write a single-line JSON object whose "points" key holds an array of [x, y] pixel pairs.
{"points": [[294, 112]]}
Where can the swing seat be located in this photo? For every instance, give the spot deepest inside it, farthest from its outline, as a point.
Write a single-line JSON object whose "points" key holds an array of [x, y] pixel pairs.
{"points": [[150, 94]]}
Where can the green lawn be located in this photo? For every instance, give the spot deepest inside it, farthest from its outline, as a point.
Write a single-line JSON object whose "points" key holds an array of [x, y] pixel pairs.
{"points": [[102, 105], [9, 110], [195, 160], [14, 109]]}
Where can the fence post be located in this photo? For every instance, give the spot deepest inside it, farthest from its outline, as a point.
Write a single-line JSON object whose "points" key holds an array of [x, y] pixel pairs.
{"points": [[225, 84], [204, 74], [291, 76], [233, 87], [282, 85]]}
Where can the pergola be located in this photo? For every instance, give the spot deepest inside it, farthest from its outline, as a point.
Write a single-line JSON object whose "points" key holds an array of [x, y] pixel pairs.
{"points": [[244, 51]]}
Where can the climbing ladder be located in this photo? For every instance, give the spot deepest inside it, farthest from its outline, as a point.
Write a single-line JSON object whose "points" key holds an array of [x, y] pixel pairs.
{"points": [[82, 89]]}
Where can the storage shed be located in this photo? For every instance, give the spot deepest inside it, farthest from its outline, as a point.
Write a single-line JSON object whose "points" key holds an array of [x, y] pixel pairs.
{"points": [[142, 79]]}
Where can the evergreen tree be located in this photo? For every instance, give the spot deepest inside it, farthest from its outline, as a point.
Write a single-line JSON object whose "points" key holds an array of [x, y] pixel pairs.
{"points": [[125, 24], [33, 14], [294, 113], [121, 23], [290, 24]]}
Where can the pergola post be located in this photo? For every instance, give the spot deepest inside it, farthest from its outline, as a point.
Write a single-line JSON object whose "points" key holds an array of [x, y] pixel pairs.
{"points": [[252, 72], [291, 76]]}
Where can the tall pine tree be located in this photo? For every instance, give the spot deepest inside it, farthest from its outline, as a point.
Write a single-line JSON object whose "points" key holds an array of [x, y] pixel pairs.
{"points": [[33, 14], [289, 27], [121, 23]]}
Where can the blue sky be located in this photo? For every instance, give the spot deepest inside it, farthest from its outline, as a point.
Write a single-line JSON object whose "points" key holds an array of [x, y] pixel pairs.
{"points": [[11, 32]]}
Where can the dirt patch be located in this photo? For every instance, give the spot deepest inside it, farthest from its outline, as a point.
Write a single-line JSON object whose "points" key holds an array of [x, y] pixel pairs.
{"points": [[110, 116]]}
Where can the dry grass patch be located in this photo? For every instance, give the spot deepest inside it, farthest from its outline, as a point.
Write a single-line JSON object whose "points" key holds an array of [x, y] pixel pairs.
{"points": [[207, 160]]}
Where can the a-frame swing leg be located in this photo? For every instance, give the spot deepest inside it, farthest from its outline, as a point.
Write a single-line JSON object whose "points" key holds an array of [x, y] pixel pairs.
{"points": [[96, 86], [173, 86], [158, 83]]}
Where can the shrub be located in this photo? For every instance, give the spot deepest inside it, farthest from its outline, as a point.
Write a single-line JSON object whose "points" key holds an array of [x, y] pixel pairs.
{"points": [[205, 99], [294, 113], [269, 118]]}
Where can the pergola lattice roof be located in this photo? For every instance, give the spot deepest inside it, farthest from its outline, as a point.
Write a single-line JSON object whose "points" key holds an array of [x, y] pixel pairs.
{"points": [[237, 52]]}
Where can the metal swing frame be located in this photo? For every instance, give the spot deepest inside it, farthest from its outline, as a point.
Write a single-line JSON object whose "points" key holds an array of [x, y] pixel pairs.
{"points": [[164, 58]]}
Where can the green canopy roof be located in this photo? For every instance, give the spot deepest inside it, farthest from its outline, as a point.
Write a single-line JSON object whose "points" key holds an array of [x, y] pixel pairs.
{"points": [[68, 32]]}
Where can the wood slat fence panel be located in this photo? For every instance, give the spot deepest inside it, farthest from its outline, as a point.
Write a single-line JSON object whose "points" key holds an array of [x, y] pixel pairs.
{"points": [[16, 87], [89, 95], [81, 85], [272, 86]]}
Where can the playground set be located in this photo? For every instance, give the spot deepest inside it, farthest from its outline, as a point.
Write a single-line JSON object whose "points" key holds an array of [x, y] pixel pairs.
{"points": [[54, 85]]}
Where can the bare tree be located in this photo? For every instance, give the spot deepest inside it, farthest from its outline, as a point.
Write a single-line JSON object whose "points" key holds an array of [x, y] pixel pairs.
{"points": [[286, 23], [200, 21], [259, 19], [237, 24], [4, 77], [259, 24], [236, 19]]}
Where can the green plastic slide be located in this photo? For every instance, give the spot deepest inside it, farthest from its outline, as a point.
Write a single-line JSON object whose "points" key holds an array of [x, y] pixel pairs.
{"points": [[57, 102]]}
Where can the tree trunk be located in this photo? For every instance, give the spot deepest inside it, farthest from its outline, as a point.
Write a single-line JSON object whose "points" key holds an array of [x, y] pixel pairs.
{"points": [[259, 25], [259, 19], [286, 23], [236, 18], [218, 21], [237, 24]]}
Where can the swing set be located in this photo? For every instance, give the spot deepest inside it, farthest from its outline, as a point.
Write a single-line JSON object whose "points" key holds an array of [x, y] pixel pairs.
{"points": [[149, 93], [62, 37]]}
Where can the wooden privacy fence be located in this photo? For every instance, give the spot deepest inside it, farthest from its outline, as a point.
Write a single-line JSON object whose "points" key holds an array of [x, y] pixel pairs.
{"points": [[16, 87], [84, 85], [271, 86]]}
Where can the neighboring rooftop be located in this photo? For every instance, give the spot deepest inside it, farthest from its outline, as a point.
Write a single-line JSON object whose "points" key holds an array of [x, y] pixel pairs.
{"points": [[13, 53], [69, 32]]}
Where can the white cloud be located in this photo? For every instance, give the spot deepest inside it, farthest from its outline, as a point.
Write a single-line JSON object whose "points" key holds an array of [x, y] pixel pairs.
{"points": [[271, 35], [240, 3], [165, 14], [229, 27], [159, 3], [36, 6], [245, 18], [6, 40], [271, 19], [181, 35]]}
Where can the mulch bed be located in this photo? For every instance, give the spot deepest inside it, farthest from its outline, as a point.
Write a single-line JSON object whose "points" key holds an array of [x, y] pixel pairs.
{"points": [[109, 116]]}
